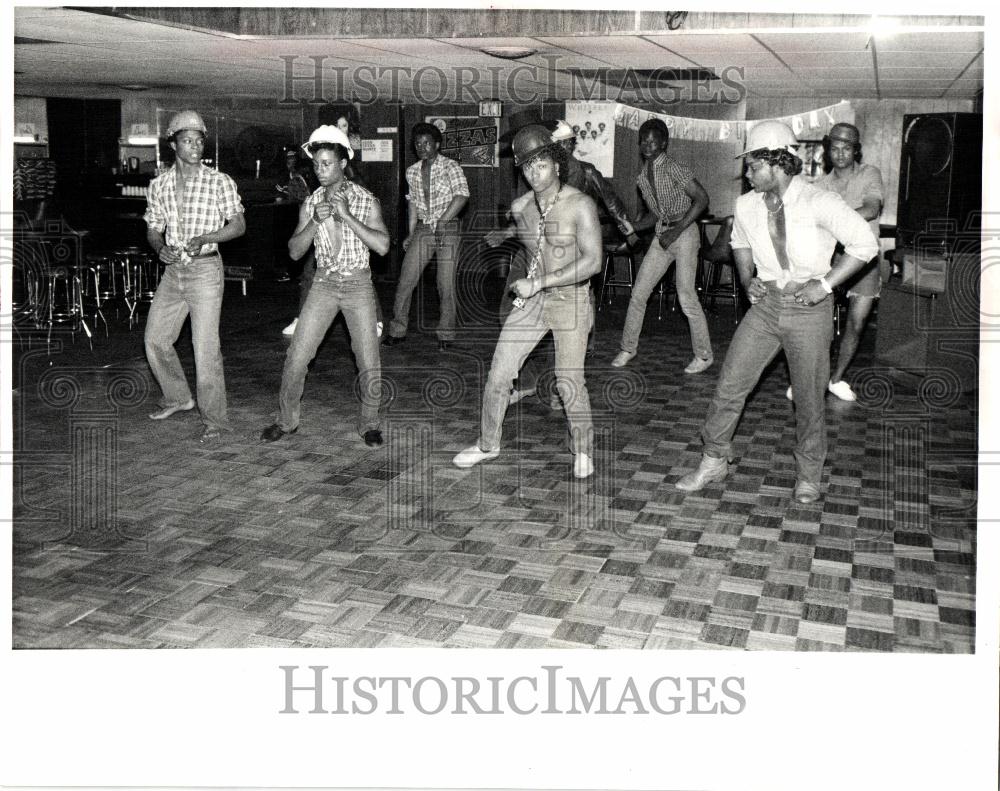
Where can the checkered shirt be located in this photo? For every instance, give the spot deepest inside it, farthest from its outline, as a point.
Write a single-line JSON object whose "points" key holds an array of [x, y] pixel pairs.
{"points": [[210, 198], [447, 181], [666, 198], [352, 255]]}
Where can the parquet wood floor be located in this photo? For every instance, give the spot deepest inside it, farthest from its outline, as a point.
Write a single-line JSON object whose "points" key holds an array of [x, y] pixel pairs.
{"points": [[130, 534]]}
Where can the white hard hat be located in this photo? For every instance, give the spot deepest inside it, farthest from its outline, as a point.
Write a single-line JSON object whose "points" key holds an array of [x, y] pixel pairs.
{"points": [[563, 131], [772, 135], [186, 119], [328, 134]]}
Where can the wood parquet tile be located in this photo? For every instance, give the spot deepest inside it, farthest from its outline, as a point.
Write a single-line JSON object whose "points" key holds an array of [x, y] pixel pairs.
{"points": [[319, 541]]}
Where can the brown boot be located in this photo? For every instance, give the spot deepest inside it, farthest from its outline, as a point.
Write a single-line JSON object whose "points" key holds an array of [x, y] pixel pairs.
{"points": [[709, 471]]}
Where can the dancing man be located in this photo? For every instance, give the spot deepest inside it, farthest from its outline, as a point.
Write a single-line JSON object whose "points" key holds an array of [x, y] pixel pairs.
{"points": [[788, 229], [189, 210], [438, 192], [559, 226], [860, 186], [344, 222], [675, 201]]}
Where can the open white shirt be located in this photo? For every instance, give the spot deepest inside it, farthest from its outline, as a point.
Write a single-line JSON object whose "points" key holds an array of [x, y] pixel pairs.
{"points": [[815, 220]]}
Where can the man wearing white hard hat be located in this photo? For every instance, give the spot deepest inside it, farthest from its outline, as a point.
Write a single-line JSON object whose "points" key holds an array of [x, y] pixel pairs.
{"points": [[190, 209], [343, 222], [784, 234]]}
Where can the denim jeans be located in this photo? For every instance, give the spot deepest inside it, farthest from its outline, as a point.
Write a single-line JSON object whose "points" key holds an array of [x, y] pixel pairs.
{"points": [[194, 289], [423, 245], [566, 312], [354, 295], [805, 333], [654, 266]]}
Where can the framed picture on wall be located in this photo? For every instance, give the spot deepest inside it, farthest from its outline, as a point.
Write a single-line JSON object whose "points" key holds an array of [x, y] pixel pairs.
{"points": [[812, 159], [471, 141]]}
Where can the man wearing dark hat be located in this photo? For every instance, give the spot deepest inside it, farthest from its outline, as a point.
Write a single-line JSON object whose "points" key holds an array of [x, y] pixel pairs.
{"points": [[559, 226], [860, 186], [343, 222], [589, 180], [438, 192], [190, 209], [787, 229]]}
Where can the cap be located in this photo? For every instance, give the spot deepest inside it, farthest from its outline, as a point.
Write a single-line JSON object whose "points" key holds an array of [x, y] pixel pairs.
{"points": [[563, 131], [846, 133], [186, 119], [772, 135], [528, 141], [328, 134]]}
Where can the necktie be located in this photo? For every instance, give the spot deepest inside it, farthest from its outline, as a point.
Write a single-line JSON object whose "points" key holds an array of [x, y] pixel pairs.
{"points": [[776, 229], [425, 173]]}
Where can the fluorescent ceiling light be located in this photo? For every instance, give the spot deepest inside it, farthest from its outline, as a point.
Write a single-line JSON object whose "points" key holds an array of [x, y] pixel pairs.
{"points": [[138, 140], [883, 27]]}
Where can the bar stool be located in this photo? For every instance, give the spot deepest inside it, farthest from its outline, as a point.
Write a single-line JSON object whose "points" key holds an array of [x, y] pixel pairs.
{"points": [[91, 301], [145, 276], [64, 300], [613, 276], [667, 290], [717, 260]]}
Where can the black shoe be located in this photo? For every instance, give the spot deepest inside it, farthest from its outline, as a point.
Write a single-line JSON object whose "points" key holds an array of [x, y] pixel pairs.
{"points": [[445, 345], [275, 432], [373, 438], [393, 340]]}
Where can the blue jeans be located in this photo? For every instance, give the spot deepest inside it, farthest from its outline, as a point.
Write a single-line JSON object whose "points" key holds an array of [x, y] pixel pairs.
{"points": [[805, 333], [354, 295], [654, 266], [423, 245], [566, 312], [194, 289]]}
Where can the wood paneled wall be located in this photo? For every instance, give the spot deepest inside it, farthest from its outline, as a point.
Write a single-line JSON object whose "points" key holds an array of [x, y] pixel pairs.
{"points": [[881, 125], [465, 22]]}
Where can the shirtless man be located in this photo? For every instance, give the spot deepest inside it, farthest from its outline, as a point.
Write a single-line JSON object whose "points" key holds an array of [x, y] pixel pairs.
{"points": [[559, 226]]}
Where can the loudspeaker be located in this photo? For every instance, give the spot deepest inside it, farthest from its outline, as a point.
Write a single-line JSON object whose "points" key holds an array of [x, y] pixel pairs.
{"points": [[930, 334], [940, 176]]}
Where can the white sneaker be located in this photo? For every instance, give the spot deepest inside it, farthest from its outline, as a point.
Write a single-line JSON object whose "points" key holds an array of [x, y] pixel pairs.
{"points": [[789, 394], [583, 466], [842, 390], [699, 364], [471, 456], [622, 359], [290, 329]]}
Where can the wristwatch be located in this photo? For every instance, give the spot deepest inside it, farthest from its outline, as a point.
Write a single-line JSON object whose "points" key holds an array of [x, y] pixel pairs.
{"points": [[826, 285]]}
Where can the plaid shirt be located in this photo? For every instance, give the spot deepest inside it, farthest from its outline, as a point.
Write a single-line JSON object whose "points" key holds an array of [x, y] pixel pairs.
{"points": [[447, 181], [210, 198], [348, 254], [666, 198]]}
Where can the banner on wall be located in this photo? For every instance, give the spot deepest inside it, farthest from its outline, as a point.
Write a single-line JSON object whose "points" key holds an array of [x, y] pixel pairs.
{"points": [[594, 125], [810, 125], [469, 140]]}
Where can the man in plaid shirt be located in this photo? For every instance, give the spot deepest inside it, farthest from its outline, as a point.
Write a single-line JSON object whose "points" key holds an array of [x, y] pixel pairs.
{"points": [[438, 192], [675, 200], [343, 221], [190, 210]]}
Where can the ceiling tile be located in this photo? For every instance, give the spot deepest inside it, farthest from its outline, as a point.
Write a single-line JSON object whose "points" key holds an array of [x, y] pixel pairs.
{"points": [[813, 42]]}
